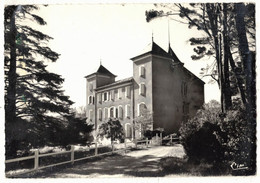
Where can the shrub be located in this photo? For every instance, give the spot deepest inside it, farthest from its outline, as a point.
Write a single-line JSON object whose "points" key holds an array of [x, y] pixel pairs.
{"points": [[112, 129], [220, 138], [200, 135]]}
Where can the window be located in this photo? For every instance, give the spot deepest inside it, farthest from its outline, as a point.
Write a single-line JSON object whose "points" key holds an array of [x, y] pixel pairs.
{"points": [[105, 113], [127, 111], [108, 96], [120, 93], [105, 96], [142, 71], [100, 114], [140, 109], [91, 99], [111, 112], [128, 92], [142, 89], [116, 94], [90, 115], [116, 112], [100, 97], [90, 86], [120, 112], [113, 95], [128, 130]]}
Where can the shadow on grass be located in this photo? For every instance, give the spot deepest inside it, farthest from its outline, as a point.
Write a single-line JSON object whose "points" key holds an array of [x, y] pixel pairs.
{"points": [[181, 166], [145, 166]]}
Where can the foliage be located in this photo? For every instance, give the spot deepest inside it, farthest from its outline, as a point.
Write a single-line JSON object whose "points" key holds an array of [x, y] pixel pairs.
{"points": [[112, 129], [77, 132], [35, 105], [144, 122], [217, 138], [203, 126], [228, 34]]}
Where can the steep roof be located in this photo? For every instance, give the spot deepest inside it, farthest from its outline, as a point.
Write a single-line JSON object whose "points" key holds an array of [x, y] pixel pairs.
{"points": [[152, 48], [173, 55], [102, 70]]}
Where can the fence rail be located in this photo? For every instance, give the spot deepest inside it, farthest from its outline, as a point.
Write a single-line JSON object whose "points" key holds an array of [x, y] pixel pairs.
{"points": [[72, 151]]}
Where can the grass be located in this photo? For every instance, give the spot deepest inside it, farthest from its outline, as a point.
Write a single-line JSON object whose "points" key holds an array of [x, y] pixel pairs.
{"points": [[182, 166]]}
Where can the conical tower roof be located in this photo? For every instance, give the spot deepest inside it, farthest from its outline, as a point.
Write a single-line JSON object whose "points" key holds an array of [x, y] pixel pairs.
{"points": [[152, 48]]}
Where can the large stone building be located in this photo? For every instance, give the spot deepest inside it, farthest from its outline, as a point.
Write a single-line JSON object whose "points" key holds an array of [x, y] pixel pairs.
{"points": [[160, 84]]}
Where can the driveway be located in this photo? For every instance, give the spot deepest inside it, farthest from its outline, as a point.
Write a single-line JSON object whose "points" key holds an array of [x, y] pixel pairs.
{"points": [[139, 163]]}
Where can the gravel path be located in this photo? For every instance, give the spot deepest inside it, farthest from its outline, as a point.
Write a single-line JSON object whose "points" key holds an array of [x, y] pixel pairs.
{"points": [[139, 163]]}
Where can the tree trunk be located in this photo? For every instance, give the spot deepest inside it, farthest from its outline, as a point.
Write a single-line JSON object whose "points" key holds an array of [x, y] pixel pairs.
{"points": [[226, 82], [238, 78], [213, 19], [10, 108], [10, 105], [246, 58]]}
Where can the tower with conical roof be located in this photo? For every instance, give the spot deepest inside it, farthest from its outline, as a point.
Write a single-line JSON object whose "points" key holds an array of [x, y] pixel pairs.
{"points": [[97, 79]]}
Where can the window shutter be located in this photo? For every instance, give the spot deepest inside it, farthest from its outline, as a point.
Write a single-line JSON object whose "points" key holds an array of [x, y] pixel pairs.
{"points": [[100, 114], [142, 89], [105, 113], [128, 91], [100, 97], [127, 111], [113, 95], [89, 99], [108, 96], [111, 112], [90, 87], [120, 93], [142, 71], [90, 115], [120, 112]]}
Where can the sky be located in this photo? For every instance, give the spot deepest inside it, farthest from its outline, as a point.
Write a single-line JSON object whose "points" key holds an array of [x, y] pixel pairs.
{"points": [[89, 34], [86, 35]]}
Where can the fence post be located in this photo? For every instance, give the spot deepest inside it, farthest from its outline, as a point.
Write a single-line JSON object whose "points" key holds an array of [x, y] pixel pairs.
{"points": [[125, 145], [171, 139], [161, 138], [156, 138], [135, 143], [112, 147], [36, 159], [72, 154], [147, 142], [96, 148]]}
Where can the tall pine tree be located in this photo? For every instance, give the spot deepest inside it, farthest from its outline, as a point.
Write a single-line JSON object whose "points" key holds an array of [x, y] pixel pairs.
{"points": [[37, 112]]}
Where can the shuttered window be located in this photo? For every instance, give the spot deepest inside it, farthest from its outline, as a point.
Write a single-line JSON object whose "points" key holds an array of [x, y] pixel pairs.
{"points": [[90, 115], [105, 113], [120, 112], [113, 95], [100, 114], [128, 92], [111, 112], [127, 111], [100, 97], [142, 89], [142, 71], [140, 109], [128, 130], [90, 87]]}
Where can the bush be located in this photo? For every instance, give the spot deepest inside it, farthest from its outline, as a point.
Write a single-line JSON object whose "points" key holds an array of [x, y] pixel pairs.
{"points": [[112, 129], [219, 138], [200, 135]]}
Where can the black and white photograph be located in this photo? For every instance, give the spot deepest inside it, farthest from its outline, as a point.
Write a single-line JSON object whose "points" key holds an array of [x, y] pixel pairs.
{"points": [[153, 90]]}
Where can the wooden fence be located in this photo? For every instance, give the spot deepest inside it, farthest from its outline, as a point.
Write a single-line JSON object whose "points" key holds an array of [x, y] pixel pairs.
{"points": [[37, 155]]}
